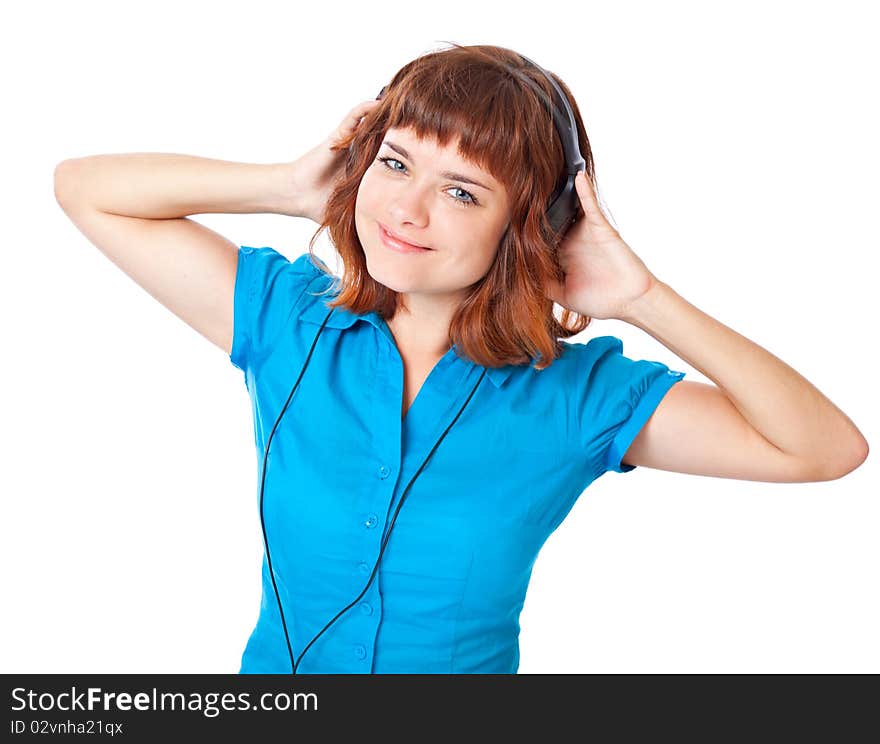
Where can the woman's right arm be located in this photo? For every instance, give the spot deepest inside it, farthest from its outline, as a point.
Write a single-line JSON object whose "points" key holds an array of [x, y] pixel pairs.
{"points": [[133, 207]]}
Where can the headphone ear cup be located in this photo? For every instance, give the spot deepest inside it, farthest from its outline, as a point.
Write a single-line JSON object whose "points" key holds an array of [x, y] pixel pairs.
{"points": [[562, 209]]}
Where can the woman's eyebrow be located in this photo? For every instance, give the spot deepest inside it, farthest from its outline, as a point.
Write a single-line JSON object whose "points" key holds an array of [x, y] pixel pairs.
{"points": [[445, 174]]}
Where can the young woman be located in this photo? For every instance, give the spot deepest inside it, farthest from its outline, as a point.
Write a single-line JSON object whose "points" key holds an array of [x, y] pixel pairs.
{"points": [[432, 372]]}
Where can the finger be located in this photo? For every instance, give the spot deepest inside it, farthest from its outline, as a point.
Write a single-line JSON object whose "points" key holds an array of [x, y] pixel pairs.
{"points": [[362, 109], [584, 188], [353, 117], [588, 198]]}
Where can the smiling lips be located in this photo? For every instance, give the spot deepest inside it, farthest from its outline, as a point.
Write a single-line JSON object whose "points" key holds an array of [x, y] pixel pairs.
{"points": [[397, 244]]}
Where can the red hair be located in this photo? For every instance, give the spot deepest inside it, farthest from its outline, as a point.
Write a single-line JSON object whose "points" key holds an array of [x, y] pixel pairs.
{"points": [[468, 93]]}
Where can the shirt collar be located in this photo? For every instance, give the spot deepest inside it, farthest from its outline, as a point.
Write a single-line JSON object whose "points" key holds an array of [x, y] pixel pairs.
{"points": [[342, 319]]}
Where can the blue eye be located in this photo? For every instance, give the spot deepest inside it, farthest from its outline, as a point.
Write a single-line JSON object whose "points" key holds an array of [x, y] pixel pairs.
{"points": [[464, 203]]}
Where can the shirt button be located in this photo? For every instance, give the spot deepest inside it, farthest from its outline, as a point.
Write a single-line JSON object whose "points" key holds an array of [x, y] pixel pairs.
{"points": [[364, 568], [371, 521], [383, 471], [366, 608], [360, 652]]}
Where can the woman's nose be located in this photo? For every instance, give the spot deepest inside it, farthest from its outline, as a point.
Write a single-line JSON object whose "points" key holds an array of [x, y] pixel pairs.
{"points": [[410, 204]]}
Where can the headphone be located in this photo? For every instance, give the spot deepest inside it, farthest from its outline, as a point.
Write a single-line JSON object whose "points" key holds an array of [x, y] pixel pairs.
{"points": [[561, 212]]}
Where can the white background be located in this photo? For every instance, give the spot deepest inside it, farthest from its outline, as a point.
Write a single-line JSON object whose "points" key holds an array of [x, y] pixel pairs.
{"points": [[736, 147]]}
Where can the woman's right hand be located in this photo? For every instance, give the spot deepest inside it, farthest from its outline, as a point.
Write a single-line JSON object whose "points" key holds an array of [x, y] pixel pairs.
{"points": [[315, 173]]}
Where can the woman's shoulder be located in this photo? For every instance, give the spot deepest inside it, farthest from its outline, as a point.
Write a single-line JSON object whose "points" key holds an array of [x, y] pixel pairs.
{"points": [[269, 272]]}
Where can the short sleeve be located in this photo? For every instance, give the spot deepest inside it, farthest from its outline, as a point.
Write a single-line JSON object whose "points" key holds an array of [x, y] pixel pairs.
{"points": [[618, 398], [268, 289]]}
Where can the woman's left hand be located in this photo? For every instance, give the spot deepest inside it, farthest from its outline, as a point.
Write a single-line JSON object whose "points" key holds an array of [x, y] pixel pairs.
{"points": [[603, 277]]}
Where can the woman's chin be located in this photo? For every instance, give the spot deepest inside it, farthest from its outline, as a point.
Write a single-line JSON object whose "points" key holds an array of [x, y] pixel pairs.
{"points": [[393, 277], [395, 284]]}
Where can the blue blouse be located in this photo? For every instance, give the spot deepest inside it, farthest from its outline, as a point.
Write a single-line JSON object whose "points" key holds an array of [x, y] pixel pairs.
{"points": [[453, 578]]}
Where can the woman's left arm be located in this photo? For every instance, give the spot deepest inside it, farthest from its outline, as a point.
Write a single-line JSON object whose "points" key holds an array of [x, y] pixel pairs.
{"points": [[777, 402], [763, 421]]}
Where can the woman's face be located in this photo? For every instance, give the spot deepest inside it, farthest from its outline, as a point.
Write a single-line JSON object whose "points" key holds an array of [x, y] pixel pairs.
{"points": [[422, 194]]}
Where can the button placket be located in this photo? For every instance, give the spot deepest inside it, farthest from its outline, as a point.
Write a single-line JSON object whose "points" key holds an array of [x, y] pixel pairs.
{"points": [[377, 499]]}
